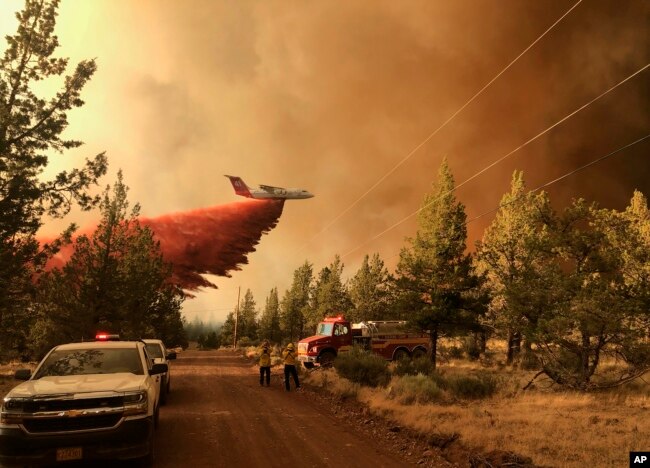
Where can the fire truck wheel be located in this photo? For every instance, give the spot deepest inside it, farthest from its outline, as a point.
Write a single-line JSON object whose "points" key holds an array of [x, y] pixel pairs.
{"points": [[327, 359]]}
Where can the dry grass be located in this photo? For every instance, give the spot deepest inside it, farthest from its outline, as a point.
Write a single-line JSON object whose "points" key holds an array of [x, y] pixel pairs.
{"points": [[555, 428]]}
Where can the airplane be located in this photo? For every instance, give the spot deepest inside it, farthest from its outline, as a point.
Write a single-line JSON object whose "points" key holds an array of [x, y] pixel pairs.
{"points": [[267, 192]]}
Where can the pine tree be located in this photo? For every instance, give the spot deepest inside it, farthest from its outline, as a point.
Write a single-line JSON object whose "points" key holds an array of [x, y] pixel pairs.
{"points": [[513, 251], [115, 280], [247, 319], [30, 134], [329, 297], [270, 319], [435, 279], [369, 291], [295, 302]]}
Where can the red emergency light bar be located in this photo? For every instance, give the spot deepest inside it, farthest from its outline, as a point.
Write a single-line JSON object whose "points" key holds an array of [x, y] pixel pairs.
{"points": [[106, 337], [334, 319]]}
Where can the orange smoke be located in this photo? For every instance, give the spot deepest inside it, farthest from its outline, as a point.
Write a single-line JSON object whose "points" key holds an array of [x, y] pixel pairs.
{"points": [[212, 240]]}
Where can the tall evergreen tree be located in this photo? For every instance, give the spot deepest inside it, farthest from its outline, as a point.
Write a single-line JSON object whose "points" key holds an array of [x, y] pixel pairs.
{"points": [[115, 280], [30, 134], [512, 253], [270, 319], [295, 302], [369, 291], [330, 296], [435, 277], [247, 320]]}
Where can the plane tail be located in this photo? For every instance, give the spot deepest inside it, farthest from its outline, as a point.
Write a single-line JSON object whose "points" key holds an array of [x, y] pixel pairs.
{"points": [[240, 187]]}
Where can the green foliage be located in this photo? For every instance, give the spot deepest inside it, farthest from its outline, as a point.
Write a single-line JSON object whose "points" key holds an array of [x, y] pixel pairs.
{"points": [[471, 386], [413, 367], [419, 388], [247, 319], [329, 296], [514, 254], [30, 135], [209, 341], [452, 352], [115, 280], [199, 327], [362, 367], [269, 327], [295, 302], [370, 292], [471, 348], [438, 289]]}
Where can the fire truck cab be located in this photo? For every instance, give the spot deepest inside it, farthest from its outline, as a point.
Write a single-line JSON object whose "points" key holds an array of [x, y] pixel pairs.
{"points": [[335, 335]]}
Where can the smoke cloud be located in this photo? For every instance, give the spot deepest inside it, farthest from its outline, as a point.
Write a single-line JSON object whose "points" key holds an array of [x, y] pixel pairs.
{"points": [[330, 95], [213, 240]]}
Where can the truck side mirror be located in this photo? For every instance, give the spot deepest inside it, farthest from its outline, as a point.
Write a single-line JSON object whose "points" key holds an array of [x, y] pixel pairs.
{"points": [[158, 368]]}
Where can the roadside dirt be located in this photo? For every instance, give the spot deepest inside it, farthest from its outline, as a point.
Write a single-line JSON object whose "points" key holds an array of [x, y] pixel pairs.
{"points": [[218, 415]]}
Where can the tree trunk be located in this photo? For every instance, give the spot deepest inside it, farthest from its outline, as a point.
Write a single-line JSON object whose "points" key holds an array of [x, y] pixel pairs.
{"points": [[433, 337], [481, 340], [514, 346]]}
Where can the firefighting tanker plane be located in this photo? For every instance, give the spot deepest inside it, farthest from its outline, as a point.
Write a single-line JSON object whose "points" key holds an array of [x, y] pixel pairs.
{"points": [[267, 192]]}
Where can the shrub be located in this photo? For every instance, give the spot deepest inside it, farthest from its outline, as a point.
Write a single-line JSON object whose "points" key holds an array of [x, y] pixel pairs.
{"points": [[452, 352], [528, 361], [471, 348], [416, 389], [362, 367], [472, 386], [413, 367]]}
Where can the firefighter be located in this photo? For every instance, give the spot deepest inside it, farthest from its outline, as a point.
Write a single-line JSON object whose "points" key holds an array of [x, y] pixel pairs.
{"points": [[265, 364], [289, 357]]}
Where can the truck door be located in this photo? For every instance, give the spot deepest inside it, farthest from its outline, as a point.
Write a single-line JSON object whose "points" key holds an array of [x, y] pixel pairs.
{"points": [[342, 337]]}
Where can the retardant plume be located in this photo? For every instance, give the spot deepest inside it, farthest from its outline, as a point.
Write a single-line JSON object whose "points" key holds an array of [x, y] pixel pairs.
{"points": [[213, 240]]}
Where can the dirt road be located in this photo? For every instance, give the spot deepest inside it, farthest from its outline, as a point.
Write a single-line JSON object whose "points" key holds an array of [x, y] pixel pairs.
{"points": [[217, 415]]}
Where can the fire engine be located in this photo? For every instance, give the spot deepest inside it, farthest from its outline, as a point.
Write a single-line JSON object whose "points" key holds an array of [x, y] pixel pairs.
{"points": [[335, 335]]}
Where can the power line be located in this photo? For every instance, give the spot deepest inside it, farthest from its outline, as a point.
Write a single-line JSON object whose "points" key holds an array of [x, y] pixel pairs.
{"points": [[557, 179], [444, 124], [526, 143], [568, 174]]}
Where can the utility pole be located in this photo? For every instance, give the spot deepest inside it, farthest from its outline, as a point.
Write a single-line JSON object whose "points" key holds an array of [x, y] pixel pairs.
{"points": [[234, 343]]}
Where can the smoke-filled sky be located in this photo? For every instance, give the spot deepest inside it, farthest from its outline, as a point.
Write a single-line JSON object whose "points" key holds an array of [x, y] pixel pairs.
{"points": [[330, 95]]}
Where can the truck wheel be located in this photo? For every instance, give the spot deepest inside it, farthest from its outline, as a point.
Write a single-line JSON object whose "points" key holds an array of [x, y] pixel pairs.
{"points": [[149, 458], [326, 359], [401, 354]]}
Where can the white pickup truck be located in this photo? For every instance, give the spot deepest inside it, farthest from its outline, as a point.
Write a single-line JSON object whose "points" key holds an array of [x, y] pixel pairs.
{"points": [[92, 400]]}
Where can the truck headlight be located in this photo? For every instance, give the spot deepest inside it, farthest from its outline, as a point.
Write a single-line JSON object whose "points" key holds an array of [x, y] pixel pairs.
{"points": [[11, 411], [135, 403]]}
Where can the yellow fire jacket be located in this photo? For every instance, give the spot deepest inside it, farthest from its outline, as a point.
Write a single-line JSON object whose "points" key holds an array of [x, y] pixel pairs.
{"points": [[289, 357], [265, 358]]}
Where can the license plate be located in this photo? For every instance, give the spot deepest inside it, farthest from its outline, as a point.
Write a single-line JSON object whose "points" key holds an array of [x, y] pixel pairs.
{"points": [[69, 453]]}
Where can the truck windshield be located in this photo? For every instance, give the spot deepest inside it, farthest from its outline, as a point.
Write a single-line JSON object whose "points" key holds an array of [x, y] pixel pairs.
{"points": [[91, 361], [325, 329]]}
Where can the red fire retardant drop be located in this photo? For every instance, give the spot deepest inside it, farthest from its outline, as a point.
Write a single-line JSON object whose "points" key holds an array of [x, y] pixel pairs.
{"points": [[212, 240]]}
